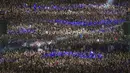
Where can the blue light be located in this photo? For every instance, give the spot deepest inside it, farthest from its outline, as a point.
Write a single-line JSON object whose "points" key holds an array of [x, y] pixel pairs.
{"points": [[35, 7], [73, 54]]}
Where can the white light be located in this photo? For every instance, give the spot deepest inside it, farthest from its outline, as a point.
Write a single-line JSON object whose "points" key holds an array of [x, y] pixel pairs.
{"points": [[30, 26], [49, 42], [69, 11], [91, 52], [97, 40], [46, 32], [38, 44], [55, 24], [40, 50]]}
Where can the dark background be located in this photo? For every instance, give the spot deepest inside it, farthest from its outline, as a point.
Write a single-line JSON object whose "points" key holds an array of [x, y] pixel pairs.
{"points": [[3, 27]]}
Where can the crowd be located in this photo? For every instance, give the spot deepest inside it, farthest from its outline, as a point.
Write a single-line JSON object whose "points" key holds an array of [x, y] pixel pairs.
{"points": [[65, 24], [34, 62], [71, 39], [52, 23]]}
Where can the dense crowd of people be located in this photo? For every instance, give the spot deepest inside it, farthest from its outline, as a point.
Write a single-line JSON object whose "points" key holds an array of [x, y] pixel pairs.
{"points": [[14, 62], [65, 38], [66, 21]]}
